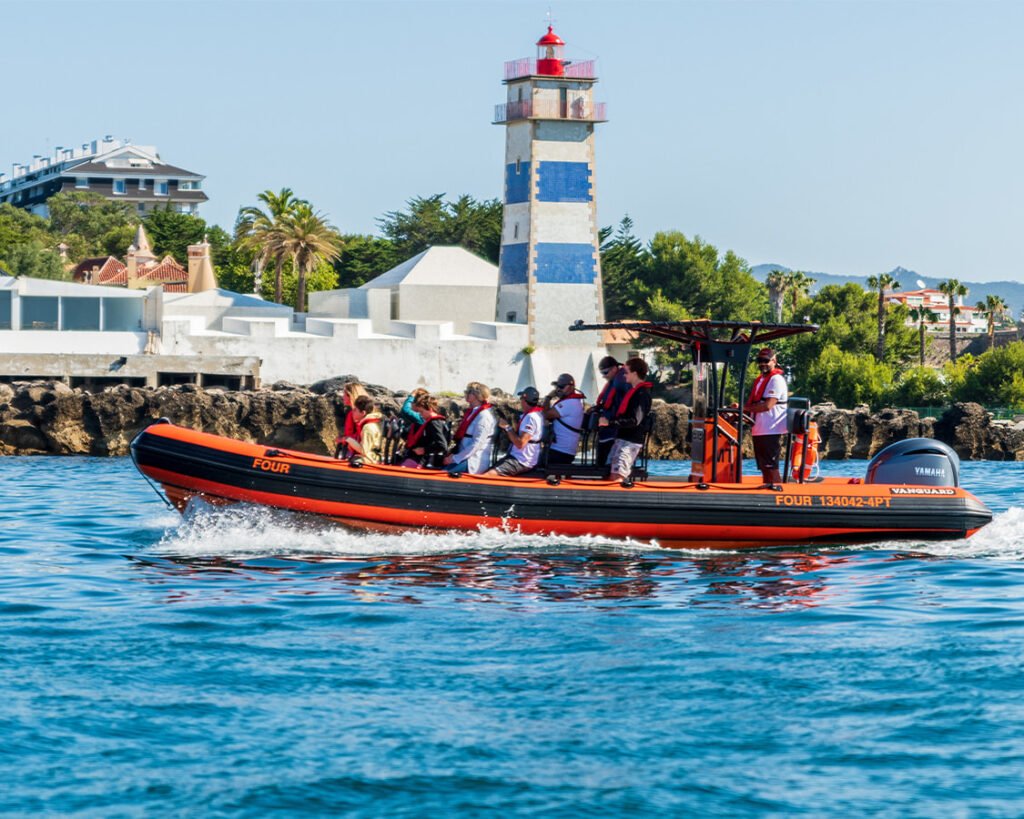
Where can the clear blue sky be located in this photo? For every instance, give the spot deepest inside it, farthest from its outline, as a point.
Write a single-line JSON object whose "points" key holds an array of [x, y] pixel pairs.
{"points": [[843, 137]]}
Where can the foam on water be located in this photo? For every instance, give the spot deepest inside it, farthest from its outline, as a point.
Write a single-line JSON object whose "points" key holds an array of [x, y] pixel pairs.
{"points": [[243, 530]]}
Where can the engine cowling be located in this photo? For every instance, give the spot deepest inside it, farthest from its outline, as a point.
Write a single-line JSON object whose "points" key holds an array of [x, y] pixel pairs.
{"points": [[915, 462]]}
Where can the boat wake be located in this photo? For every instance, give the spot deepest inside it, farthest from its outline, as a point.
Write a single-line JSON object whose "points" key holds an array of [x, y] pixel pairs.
{"points": [[243, 530]]}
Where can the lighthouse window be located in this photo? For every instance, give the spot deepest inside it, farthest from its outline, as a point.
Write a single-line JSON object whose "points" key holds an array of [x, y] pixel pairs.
{"points": [[515, 231], [519, 165]]}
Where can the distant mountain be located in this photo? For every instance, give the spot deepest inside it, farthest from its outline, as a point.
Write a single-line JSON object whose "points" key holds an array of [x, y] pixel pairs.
{"points": [[1010, 292]]}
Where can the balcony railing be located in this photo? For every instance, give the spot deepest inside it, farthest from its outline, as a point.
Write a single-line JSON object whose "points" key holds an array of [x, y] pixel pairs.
{"points": [[550, 109], [525, 67]]}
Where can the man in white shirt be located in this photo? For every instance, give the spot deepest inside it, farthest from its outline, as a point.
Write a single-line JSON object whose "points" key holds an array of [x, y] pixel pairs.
{"points": [[564, 409], [767, 403], [525, 438]]}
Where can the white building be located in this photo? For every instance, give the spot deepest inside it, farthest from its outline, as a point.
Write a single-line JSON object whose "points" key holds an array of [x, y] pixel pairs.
{"points": [[968, 320]]}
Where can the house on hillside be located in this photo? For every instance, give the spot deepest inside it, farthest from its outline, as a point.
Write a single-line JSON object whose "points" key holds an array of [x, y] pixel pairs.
{"points": [[969, 320]]}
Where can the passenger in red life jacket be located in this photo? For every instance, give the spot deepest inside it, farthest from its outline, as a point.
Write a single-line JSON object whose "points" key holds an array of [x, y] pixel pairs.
{"points": [[525, 438], [427, 441], [564, 408], [628, 422], [370, 436], [767, 403], [474, 436], [607, 403], [349, 393]]}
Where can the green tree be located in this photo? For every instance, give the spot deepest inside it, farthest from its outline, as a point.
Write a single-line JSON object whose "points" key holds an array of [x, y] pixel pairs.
{"points": [[923, 315], [363, 258], [307, 238], [85, 220], [18, 227], [429, 221], [172, 232], [321, 277], [880, 284], [694, 275], [35, 260], [848, 378], [776, 282], [919, 387], [994, 309], [953, 290], [996, 378], [258, 231], [798, 284], [623, 268]]}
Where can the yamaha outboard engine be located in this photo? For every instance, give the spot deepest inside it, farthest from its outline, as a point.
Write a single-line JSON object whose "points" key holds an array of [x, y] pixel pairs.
{"points": [[915, 461]]}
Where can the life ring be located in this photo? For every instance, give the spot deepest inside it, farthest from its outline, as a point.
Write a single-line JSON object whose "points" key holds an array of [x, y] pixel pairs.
{"points": [[796, 454]]}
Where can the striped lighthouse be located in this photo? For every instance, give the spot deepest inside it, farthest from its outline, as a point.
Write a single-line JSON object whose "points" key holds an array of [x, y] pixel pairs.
{"points": [[550, 271]]}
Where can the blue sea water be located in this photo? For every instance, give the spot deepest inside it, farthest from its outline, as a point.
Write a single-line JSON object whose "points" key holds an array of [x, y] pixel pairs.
{"points": [[238, 662]]}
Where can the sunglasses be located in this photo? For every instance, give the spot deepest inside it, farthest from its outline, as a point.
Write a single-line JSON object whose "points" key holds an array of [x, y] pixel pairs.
{"points": [[605, 370]]}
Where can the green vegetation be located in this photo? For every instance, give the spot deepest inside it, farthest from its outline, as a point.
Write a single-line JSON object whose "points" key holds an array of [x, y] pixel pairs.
{"points": [[283, 248]]}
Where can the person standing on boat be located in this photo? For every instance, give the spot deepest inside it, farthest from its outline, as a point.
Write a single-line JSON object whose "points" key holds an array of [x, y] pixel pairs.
{"points": [[607, 402], [367, 423], [767, 403], [566, 415], [474, 436], [525, 438], [630, 419]]}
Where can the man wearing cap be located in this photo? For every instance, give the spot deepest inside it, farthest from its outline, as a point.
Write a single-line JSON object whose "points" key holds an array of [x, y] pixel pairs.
{"points": [[564, 408], [767, 403], [608, 403], [525, 438]]}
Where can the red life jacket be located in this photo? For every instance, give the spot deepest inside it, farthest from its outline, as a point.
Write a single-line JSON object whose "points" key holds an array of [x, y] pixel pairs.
{"points": [[416, 430], [367, 420], [760, 385], [467, 419], [625, 399], [574, 394], [607, 396], [522, 420]]}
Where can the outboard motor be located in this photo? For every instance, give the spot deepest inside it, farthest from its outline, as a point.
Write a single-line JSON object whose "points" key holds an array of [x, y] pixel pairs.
{"points": [[915, 461]]}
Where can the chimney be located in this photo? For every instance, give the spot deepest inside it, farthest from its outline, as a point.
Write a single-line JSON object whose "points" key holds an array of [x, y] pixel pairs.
{"points": [[133, 268], [200, 268]]}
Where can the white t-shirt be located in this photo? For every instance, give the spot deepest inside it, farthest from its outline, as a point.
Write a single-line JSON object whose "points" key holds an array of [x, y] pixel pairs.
{"points": [[476, 446], [773, 421], [529, 455], [570, 410]]}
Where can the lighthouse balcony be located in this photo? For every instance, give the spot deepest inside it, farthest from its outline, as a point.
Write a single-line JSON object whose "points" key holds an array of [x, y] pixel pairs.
{"points": [[553, 109], [525, 67]]}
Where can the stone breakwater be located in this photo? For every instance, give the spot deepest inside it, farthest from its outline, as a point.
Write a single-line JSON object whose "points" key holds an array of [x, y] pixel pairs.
{"points": [[49, 418]]}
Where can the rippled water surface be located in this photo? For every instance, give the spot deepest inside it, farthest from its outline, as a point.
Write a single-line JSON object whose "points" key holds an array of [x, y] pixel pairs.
{"points": [[239, 662]]}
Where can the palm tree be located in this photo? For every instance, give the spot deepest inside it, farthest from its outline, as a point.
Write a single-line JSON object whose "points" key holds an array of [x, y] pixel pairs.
{"points": [[776, 282], [923, 315], [258, 231], [881, 283], [308, 238], [797, 285], [953, 290], [994, 309]]}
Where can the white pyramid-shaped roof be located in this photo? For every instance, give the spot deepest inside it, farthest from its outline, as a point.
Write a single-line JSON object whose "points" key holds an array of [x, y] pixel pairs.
{"points": [[439, 266]]}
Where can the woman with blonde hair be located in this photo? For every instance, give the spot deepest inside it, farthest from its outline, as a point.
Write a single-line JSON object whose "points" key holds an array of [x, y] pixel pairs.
{"points": [[349, 393], [474, 437]]}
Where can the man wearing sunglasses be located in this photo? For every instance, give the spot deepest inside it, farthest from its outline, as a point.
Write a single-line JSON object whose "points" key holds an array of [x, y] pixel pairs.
{"points": [[767, 403], [607, 403]]}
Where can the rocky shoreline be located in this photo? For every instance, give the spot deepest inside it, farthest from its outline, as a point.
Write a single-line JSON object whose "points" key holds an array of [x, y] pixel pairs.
{"points": [[50, 418]]}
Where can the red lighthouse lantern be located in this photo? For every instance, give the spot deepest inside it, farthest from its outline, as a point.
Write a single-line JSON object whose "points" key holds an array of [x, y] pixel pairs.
{"points": [[549, 54]]}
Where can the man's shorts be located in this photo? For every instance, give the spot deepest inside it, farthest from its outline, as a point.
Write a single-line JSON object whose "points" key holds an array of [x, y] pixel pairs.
{"points": [[509, 466], [766, 451], [623, 456]]}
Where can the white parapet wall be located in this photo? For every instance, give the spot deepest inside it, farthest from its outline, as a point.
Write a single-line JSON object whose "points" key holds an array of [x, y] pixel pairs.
{"points": [[410, 354]]}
